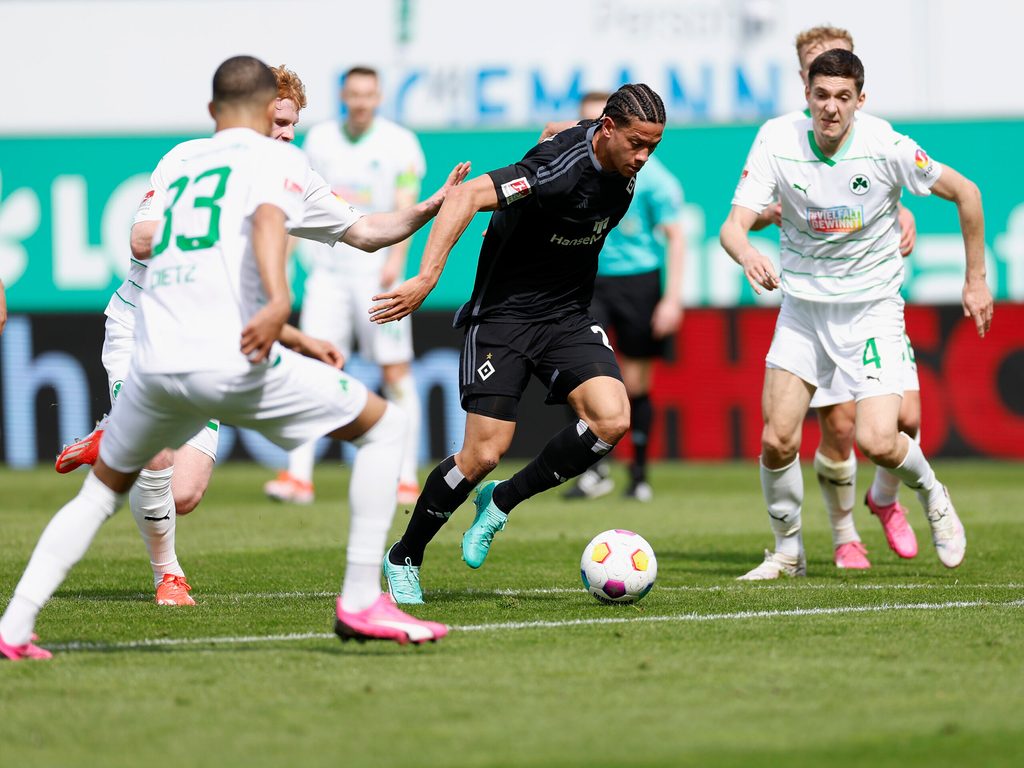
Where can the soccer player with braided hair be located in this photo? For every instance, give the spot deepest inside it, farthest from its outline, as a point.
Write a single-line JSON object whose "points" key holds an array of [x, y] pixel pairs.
{"points": [[529, 315]]}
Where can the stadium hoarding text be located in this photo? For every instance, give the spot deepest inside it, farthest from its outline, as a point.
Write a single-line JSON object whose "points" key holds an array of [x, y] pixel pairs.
{"points": [[66, 205], [451, 63], [707, 398]]}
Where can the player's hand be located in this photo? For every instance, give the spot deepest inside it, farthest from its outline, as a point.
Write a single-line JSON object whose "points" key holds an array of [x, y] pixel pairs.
{"points": [[456, 177], [262, 330], [555, 127], [322, 350], [977, 301], [403, 300], [759, 271], [908, 230], [667, 317]]}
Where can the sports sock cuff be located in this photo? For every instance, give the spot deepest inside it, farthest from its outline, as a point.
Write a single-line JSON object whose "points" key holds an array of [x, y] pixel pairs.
{"points": [[451, 473], [835, 470], [592, 441]]}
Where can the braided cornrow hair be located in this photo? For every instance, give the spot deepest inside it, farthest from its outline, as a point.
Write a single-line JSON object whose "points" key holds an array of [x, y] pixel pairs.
{"points": [[635, 101]]}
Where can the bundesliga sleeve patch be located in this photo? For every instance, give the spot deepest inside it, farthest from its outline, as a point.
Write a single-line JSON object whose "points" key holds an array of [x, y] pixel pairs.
{"points": [[292, 186], [923, 162], [515, 189], [147, 201]]}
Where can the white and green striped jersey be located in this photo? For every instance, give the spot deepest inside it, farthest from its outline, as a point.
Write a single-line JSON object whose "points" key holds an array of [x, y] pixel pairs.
{"points": [[202, 282], [325, 219], [839, 239]]}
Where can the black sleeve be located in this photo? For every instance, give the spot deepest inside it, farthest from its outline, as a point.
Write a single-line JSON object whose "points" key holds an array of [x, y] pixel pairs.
{"points": [[518, 184]]}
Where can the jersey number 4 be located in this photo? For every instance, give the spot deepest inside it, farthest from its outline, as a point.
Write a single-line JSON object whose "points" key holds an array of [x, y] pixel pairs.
{"points": [[192, 242]]}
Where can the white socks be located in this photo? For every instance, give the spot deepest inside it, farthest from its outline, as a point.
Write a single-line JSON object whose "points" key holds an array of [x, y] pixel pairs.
{"points": [[63, 543], [886, 485], [301, 460], [838, 481], [784, 494], [372, 501], [404, 394], [916, 472], [152, 506]]}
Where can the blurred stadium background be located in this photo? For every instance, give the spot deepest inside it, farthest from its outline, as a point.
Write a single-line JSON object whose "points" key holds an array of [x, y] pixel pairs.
{"points": [[100, 90]]}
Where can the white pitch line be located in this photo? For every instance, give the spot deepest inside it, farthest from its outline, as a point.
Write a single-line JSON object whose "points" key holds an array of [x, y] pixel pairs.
{"points": [[774, 587], [517, 625]]}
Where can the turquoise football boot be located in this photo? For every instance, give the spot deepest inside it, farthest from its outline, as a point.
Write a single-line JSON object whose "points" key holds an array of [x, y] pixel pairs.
{"points": [[403, 581], [476, 542]]}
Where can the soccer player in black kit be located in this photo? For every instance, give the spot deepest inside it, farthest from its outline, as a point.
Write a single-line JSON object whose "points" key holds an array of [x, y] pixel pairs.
{"points": [[528, 314]]}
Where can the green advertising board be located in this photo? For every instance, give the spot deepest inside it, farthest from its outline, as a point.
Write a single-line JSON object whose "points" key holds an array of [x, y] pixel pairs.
{"points": [[66, 205]]}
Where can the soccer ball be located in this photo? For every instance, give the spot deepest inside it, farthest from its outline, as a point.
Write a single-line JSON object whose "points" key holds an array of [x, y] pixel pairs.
{"points": [[618, 567]]}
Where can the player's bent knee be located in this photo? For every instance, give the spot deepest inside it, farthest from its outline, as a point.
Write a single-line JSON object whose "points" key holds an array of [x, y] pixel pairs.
{"points": [[881, 446], [779, 446], [610, 429], [187, 499]]}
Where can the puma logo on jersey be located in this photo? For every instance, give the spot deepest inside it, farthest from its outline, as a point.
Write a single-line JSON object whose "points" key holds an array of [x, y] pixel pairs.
{"points": [[802, 189]]}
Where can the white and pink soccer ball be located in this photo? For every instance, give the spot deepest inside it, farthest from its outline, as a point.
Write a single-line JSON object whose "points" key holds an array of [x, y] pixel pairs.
{"points": [[618, 566]]}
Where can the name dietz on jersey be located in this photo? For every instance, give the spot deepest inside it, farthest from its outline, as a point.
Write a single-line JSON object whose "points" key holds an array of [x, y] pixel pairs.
{"points": [[600, 227], [840, 218]]}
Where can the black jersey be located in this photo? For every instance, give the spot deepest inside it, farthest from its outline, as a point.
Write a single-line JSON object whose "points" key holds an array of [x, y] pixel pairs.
{"points": [[555, 208]]}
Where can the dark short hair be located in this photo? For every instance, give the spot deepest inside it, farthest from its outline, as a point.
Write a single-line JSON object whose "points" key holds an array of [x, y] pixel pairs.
{"points": [[838, 62], [243, 78], [360, 70], [635, 101]]}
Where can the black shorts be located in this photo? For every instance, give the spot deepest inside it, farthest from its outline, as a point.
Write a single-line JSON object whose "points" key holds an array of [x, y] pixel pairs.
{"points": [[624, 305], [498, 359]]}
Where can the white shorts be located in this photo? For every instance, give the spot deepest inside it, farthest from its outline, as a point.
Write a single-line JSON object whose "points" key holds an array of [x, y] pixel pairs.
{"points": [[290, 402], [857, 347], [335, 308], [118, 346], [832, 395]]}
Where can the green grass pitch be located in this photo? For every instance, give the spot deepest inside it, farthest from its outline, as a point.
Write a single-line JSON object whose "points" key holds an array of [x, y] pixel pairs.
{"points": [[907, 664]]}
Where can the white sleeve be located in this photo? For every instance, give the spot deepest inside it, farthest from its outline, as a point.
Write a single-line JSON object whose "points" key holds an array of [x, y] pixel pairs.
{"points": [[326, 217], [756, 188], [912, 166], [151, 208], [277, 181]]}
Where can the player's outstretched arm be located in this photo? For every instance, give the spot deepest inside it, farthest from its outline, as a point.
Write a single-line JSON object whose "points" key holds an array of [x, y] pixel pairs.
{"points": [[459, 207], [977, 298], [379, 230], [270, 246], [304, 344], [734, 236]]}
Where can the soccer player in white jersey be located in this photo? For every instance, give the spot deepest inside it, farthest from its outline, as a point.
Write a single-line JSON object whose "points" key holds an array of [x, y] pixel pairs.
{"points": [[214, 303], [839, 181], [161, 492], [834, 460], [376, 165]]}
